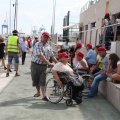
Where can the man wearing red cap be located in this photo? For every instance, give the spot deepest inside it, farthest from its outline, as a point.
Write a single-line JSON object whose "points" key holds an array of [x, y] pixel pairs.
{"points": [[101, 75], [42, 52], [91, 56]]}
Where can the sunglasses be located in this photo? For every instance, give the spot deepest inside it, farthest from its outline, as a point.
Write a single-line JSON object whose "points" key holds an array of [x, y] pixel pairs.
{"points": [[66, 56]]}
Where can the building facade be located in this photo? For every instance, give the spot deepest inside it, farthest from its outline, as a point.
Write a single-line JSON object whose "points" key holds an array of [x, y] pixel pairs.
{"points": [[91, 16]]}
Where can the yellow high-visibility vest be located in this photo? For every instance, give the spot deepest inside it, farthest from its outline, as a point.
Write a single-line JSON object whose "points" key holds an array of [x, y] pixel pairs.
{"points": [[13, 44]]}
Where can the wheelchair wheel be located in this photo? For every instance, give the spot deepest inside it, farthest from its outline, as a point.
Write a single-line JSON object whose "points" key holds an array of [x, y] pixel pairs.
{"points": [[54, 93], [69, 102]]}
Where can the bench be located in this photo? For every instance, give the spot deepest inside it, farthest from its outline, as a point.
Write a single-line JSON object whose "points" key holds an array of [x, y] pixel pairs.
{"points": [[111, 91]]}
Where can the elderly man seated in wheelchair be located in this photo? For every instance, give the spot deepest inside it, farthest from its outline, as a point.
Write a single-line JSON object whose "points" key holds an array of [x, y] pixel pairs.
{"points": [[64, 74]]}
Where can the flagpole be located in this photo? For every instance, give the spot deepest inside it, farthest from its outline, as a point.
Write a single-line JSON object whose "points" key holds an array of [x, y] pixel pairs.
{"points": [[16, 5]]}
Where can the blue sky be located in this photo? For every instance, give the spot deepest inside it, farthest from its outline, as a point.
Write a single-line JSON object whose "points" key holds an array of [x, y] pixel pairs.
{"points": [[39, 12]]}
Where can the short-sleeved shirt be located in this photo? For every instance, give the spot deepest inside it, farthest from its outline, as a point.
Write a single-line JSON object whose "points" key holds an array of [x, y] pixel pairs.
{"points": [[91, 57], [41, 49], [105, 61], [66, 46], [29, 41], [60, 67], [24, 46], [100, 61]]}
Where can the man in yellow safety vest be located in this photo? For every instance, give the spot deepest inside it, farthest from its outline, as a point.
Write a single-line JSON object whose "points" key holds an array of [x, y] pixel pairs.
{"points": [[13, 50]]}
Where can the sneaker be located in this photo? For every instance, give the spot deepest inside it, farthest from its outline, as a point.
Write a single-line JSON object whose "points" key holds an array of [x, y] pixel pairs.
{"points": [[45, 99], [5, 68], [88, 96], [17, 75], [7, 75], [10, 70]]}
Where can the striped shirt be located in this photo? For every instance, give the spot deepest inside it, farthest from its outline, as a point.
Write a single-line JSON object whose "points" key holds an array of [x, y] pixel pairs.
{"points": [[41, 49]]}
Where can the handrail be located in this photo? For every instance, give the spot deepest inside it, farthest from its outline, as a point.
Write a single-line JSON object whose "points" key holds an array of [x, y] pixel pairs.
{"points": [[99, 28], [98, 35]]}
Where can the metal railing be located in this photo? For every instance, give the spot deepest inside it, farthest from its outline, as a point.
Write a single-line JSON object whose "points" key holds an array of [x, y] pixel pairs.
{"points": [[94, 36], [99, 35]]}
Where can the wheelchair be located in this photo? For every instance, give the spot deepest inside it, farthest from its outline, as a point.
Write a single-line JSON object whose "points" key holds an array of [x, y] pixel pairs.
{"points": [[86, 77], [67, 90]]}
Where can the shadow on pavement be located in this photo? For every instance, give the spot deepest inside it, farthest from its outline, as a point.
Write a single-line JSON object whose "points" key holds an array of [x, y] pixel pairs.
{"points": [[33, 103]]}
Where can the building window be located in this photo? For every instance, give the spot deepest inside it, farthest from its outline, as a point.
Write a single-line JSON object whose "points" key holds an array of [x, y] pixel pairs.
{"points": [[93, 25], [86, 27]]}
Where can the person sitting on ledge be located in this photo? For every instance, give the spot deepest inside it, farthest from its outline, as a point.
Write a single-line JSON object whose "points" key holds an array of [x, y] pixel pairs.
{"points": [[114, 68], [101, 75]]}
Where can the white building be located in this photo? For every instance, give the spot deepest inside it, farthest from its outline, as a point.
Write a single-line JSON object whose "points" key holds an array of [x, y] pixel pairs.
{"points": [[91, 17]]}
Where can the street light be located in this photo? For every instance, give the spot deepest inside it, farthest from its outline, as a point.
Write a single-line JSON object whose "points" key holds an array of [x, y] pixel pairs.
{"points": [[10, 19], [53, 19], [16, 14]]}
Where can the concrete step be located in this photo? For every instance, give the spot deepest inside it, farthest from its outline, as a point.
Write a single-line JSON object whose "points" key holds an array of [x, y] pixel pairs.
{"points": [[111, 91]]}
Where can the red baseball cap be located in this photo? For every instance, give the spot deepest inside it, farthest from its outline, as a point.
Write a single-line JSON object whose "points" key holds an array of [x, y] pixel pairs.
{"points": [[79, 53], [107, 14], [101, 49], [45, 34], [89, 45], [79, 44], [62, 55]]}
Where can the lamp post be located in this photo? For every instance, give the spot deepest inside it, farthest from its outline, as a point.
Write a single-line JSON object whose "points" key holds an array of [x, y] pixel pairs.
{"points": [[16, 15], [53, 19], [10, 19]]}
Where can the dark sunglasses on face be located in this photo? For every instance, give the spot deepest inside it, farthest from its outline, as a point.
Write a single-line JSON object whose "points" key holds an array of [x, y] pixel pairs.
{"points": [[66, 56]]}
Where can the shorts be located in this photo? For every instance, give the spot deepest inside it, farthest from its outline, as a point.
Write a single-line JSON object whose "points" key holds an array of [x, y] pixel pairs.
{"points": [[38, 74], [29, 46], [2, 55], [12, 55]]}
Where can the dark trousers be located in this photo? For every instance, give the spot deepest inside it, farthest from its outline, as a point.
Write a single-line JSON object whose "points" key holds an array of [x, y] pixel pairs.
{"points": [[23, 57]]}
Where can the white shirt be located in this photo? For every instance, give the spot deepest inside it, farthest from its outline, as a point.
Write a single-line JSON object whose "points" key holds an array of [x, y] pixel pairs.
{"points": [[60, 67], [79, 64]]}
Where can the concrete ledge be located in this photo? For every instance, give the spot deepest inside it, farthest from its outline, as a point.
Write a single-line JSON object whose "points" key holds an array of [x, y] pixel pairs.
{"points": [[111, 91]]}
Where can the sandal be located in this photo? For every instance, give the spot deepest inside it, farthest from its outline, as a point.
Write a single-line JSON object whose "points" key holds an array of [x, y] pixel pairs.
{"points": [[37, 95]]}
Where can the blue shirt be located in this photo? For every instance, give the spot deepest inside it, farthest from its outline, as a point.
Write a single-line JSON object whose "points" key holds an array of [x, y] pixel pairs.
{"points": [[91, 57], [66, 46], [24, 46]]}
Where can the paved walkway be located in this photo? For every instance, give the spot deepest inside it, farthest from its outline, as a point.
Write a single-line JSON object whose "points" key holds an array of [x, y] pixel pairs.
{"points": [[17, 103]]}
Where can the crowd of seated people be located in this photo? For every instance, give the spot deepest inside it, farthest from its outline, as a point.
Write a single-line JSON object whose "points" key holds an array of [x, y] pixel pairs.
{"points": [[97, 62]]}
